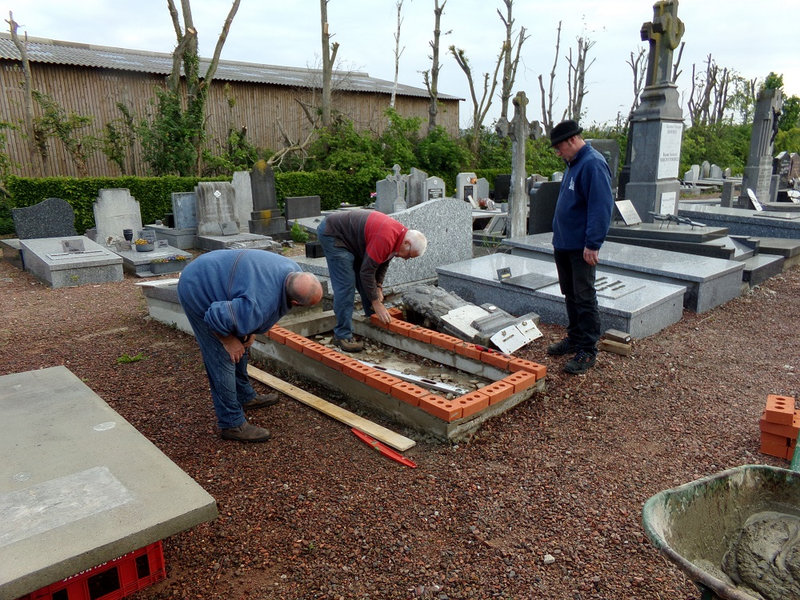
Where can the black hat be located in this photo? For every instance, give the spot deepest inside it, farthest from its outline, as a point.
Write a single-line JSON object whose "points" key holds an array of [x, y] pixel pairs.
{"points": [[564, 131]]}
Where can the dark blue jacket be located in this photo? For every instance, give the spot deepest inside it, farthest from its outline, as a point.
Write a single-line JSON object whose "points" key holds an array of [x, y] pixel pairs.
{"points": [[237, 292], [585, 203]]}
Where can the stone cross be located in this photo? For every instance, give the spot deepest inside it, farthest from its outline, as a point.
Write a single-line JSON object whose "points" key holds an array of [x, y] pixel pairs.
{"points": [[664, 34], [518, 198]]}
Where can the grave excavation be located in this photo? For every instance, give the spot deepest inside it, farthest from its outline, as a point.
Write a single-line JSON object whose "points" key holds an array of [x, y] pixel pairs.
{"points": [[288, 350]]}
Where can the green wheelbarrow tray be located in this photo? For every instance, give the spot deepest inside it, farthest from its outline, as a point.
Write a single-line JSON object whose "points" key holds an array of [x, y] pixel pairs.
{"points": [[694, 524]]}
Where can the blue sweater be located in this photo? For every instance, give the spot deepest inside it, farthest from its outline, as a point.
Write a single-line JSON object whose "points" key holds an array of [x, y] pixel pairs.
{"points": [[585, 203], [237, 292]]}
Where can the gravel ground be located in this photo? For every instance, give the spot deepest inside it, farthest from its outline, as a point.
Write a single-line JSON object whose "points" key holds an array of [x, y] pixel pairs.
{"points": [[315, 513]]}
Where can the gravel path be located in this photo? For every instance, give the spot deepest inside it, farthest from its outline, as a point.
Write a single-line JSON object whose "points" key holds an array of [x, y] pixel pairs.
{"points": [[315, 513]]}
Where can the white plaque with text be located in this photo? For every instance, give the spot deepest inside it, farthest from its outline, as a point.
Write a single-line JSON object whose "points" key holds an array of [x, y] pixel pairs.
{"points": [[668, 202], [669, 158]]}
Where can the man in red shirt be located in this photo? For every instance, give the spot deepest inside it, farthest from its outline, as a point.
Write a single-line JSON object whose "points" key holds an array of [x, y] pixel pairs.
{"points": [[358, 245]]}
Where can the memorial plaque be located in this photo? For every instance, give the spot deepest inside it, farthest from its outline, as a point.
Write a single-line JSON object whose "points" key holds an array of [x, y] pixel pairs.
{"points": [[531, 281], [504, 273], [756, 204], [669, 203], [669, 158], [628, 212]]}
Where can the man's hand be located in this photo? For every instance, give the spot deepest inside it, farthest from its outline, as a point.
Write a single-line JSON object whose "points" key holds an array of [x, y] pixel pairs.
{"points": [[591, 256], [233, 346], [381, 312]]}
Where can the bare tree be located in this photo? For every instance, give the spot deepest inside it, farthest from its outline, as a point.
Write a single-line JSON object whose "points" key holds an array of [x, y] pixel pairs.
{"points": [[547, 99], [398, 51], [30, 131], [576, 78], [638, 65], [328, 59], [431, 78], [510, 63], [676, 72], [479, 107], [709, 94]]}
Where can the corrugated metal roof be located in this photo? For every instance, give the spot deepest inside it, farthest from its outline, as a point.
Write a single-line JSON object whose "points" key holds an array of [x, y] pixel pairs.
{"points": [[103, 57]]}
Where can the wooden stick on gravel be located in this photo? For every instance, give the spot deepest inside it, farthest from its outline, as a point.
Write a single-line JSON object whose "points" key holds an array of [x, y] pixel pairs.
{"points": [[388, 437]]}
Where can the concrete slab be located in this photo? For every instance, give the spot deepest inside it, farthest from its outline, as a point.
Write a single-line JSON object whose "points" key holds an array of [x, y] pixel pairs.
{"points": [[139, 263], [761, 267], [631, 304], [79, 485], [709, 282], [48, 261], [745, 221], [238, 240]]}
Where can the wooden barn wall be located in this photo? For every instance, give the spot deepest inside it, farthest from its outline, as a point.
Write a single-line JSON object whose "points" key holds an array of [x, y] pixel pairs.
{"points": [[259, 107]]}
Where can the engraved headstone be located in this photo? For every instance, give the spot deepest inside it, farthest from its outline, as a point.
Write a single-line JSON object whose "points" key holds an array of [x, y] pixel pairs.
{"points": [[216, 213], [758, 171], [390, 194], [465, 185], [184, 210], [114, 211], [781, 166], [244, 198], [434, 188], [266, 218], [415, 190]]}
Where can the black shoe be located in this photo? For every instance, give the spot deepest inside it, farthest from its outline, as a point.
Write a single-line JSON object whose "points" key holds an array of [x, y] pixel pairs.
{"points": [[246, 433], [262, 401], [580, 363], [349, 344], [560, 348]]}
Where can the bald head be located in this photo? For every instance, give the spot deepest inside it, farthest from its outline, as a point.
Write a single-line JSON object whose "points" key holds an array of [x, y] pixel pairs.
{"points": [[303, 289]]}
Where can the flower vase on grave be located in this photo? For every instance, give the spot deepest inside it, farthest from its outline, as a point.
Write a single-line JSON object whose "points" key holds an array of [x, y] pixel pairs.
{"points": [[143, 245]]}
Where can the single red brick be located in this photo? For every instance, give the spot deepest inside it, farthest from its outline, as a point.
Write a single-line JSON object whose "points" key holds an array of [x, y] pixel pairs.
{"points": [[520, 364], [780, 409], [521, 380], [469, 350], [497, 391], [315, 350], [448, 342], [278, 334], [472, 402], [335, 360], [440, 407], [789, 431], [774, 445], [400, 327], [396, 313], [377, 322], [421, 334], [357, 371], [408, 392], [381, 381], [496, 359], [295, 341]]}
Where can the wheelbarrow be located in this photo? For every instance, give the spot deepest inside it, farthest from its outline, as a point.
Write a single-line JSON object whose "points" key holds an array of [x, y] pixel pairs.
{"points": [[695, 524]]}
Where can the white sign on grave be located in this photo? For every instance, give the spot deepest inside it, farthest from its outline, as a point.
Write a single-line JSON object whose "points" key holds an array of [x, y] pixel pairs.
{"points": [[628, 212], [668, 203], [756, 204], [670, 155]]}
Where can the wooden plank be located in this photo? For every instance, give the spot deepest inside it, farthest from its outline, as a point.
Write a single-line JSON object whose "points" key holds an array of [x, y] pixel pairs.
{"points": [[615, 347], [388, 437]]}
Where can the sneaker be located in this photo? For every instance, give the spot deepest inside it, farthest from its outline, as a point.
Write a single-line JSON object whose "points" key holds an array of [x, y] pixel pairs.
{"points": [[261, 401], [560, 348], [580, 363], [349, 344], [245, 433]]}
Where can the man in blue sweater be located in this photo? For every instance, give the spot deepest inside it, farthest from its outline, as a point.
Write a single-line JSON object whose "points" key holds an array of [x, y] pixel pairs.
{"points": [[229, 296], [580, 224]]}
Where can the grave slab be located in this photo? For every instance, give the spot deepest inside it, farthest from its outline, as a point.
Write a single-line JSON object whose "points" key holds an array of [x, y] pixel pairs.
{"points": [[177, 238], [48, 261], [745, 221], [236, 240], [140, 263], [709, 282], [79, 485], [628, 303]]}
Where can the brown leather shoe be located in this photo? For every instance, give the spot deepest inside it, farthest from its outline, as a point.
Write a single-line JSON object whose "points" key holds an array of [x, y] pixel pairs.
{"points": [[349, 344], [246, 433], [262, 401]]}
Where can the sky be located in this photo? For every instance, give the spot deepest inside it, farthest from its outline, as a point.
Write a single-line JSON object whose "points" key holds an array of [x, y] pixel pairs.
{"points": [[750, 37]]}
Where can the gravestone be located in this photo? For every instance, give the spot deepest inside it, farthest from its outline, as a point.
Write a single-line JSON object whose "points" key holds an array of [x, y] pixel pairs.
{"points": [[781, 166], [728, 194], [543, 201], [184, 210], [114, 211], [758, 172], [715, 172], [465, 186], [416, 187], [692, 175], [610, 151], [651, 174], [216, 214], [244, 198], [53, 217], [301, 207], [390, 193], [557, 176], [794, 170], [502, 187], [266, 218], [434, 189], [705, 170]]}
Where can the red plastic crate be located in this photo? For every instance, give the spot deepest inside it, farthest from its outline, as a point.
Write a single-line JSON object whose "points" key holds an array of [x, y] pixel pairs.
{"points": [[111, 580]]}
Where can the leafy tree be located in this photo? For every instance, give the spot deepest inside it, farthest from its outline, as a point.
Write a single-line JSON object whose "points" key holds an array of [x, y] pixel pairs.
{"points": [[56, 123], [438, 153], [790, 114], [723, 144], [119, 138], [341, 148]]}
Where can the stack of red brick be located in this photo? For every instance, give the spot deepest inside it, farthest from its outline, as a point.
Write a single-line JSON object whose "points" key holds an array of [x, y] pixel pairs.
{"points": [[779, 424]]}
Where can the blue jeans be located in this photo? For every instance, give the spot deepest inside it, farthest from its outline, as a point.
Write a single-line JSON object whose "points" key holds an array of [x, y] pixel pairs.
{"points": [[576, 278], [343, 270], [230, 384]]}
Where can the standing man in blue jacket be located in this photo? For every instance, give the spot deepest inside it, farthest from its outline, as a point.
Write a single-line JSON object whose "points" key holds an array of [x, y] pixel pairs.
{"points": [[580, 224], [229, 296]]}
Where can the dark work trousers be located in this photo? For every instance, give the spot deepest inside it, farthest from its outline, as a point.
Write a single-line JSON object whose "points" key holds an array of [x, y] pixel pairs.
{"points": [[576, 279]]}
